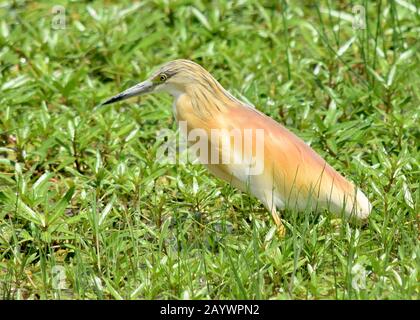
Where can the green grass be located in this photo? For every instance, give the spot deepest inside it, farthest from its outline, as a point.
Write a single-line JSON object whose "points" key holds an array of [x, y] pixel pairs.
{"points": [[82, 198]]}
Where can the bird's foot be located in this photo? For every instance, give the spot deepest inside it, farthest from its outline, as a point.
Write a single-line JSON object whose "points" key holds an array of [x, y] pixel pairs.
{"points": [[281, 230]]}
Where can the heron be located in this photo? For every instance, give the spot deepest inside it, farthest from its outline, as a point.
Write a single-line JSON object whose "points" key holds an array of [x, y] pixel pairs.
{"points": [[291, 175]]}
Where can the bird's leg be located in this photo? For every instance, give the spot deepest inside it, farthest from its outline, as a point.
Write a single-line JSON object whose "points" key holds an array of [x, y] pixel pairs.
{"points": [[281, 230], [268, 201]]}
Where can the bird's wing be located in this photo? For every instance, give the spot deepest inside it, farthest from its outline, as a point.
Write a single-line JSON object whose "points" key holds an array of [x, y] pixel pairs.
{"points": [[299, 172], [291, 167]]}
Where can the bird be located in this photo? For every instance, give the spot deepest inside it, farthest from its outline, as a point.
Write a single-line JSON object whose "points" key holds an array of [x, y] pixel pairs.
{"points": [[290, 174]]}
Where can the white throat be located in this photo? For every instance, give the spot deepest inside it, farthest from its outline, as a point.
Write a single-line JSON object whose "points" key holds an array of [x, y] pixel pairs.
{"points": [[173, 91], [176, 94]]}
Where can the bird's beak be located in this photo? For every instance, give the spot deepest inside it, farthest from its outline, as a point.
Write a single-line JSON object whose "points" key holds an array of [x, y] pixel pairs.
{"points": [[137, 90]]}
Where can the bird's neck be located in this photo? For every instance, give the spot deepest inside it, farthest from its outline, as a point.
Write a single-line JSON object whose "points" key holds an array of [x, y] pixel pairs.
{"points": [[209, 97]]}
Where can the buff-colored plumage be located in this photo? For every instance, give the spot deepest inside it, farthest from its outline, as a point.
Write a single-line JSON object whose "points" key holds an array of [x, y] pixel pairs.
{"points": [[293, 174]]}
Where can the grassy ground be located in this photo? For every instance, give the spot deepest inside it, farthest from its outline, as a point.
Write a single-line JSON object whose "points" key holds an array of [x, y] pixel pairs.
{"points": [[87, 213]]}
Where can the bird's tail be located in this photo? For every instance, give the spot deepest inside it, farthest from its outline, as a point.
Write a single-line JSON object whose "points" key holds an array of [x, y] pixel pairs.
{"points": [[355, 205], [361, 206], [344, 197]]}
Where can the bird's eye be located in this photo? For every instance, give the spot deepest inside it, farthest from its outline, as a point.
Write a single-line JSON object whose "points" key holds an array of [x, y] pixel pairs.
{"points": [[163, 77]]}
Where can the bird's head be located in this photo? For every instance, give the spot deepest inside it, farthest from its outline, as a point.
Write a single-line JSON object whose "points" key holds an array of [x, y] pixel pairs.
{"points": [[173, 77]]}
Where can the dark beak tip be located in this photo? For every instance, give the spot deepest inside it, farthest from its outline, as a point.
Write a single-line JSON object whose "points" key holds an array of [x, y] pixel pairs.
{"points": [[111, 100], [137, 90]]}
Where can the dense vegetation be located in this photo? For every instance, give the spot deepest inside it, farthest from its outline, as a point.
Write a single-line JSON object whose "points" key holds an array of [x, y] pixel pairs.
{"points": [[85, 210]]}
